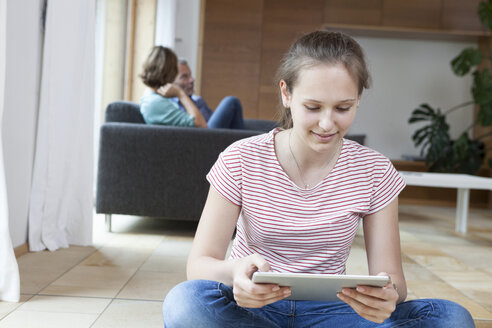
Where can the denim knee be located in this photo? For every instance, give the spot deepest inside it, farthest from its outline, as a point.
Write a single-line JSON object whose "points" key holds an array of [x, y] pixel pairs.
{"points": [[456, 315], [182, 301]]}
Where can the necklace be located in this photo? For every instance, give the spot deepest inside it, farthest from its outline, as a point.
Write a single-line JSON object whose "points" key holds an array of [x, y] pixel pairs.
{"points": [[306, 185]]}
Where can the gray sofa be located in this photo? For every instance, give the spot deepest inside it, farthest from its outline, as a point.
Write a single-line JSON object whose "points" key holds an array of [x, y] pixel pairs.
{"points": [[159, 171]]}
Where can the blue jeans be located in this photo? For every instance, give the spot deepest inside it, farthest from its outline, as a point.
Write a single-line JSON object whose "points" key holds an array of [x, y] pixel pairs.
{"points": [[209, 304], [229, 114]]}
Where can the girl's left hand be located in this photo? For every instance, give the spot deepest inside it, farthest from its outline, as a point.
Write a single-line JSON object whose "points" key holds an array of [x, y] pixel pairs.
{"points": [[372, 303]]}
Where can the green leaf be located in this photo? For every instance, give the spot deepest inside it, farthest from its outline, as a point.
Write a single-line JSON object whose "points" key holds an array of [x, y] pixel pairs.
{"points": [[485, 13], [482, 87], [467, 59]]}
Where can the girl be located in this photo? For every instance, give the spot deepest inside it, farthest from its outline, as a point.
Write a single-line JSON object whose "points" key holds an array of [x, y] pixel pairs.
{"points": [[295, 196], [159, 71]]}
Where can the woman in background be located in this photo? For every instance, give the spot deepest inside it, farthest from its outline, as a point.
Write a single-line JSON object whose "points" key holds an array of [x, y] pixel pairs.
{"points": [[159, 71]]}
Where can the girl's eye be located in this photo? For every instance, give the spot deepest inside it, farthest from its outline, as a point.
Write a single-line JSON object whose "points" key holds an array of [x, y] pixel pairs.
{"points": [[343, 109], [311, 107]]}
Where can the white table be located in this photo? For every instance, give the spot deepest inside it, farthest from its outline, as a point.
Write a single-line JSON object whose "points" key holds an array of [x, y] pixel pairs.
{"points": [[462, 182]]}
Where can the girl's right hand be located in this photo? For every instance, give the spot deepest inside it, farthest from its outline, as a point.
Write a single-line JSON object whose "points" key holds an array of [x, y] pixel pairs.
{"points": [[246, 292], [170, 90]]}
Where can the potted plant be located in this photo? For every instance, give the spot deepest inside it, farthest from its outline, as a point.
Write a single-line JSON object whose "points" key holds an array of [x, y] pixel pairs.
{"points": [[462, 155]]}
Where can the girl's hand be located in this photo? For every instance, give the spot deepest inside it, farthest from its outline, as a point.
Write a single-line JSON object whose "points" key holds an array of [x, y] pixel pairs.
{"points": [[246, 292], [170, 90], [372, 303]]}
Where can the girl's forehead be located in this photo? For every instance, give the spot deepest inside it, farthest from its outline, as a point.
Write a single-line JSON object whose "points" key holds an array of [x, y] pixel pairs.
{"points": [[329, 75]]}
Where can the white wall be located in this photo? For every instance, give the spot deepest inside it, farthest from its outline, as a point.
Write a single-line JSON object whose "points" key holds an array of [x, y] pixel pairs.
{"points": [[187, 25], [406, 73], [20, 105], [177, 24]]}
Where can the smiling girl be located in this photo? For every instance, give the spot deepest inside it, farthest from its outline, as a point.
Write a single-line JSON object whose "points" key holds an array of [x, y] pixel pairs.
{"points": [[295, 196]]}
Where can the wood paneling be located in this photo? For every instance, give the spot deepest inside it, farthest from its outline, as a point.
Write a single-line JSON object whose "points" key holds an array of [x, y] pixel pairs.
{"points": [[460, 15], [356, 12], [244, 41], [279, 31], [414, 13], [231, 52]]}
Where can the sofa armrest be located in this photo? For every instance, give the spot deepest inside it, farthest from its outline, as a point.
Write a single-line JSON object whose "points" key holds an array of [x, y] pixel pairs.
{"points": [[153, 170]]}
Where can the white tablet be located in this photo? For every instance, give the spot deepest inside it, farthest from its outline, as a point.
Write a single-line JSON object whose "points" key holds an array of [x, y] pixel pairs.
{"points": [[317, 287]]}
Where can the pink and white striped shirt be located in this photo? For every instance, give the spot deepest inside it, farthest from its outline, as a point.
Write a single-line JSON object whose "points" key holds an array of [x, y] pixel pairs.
{"points": [[299, 230]]}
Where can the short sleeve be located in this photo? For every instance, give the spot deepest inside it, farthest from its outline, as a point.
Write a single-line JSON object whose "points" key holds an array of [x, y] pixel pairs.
{"points": [[159, 110], [387, 187], [226, 176]]}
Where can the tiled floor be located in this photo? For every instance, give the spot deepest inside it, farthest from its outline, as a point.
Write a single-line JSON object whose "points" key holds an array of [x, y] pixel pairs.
{"points": [[122, 280]]}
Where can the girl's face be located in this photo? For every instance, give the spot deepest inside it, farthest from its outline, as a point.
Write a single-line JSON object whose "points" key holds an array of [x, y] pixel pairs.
{"points": [[323, 105]]}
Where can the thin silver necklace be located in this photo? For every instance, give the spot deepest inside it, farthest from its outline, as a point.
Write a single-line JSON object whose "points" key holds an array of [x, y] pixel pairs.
{"points": [[306, 186]]}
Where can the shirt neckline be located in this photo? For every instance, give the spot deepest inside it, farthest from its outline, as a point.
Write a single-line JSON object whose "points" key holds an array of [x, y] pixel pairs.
{"points": [[302, 190]]}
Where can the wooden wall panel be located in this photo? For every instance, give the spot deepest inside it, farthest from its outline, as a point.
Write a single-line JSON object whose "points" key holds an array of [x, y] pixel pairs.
{"points": [[231, 52], [414, 13], [369, 12], [283, 22], [460, 15]]}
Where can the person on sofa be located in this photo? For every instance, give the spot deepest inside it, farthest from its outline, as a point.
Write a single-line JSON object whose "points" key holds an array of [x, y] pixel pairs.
{"points": [[295, 196], [185, 80], [159, 72]]}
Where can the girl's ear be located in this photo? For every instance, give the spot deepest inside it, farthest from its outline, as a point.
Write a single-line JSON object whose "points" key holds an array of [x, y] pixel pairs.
{"points": [[285, 94]]}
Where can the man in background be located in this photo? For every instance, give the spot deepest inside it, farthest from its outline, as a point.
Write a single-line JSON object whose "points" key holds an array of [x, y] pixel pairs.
{"points": [[185, 80]]}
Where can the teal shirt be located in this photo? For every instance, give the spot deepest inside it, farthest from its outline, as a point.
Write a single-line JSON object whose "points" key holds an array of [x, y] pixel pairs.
{"points": [[156, 109]]}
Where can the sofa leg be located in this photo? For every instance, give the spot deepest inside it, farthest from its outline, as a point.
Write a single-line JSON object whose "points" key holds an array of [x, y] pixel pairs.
{"points": [[107, 219]]}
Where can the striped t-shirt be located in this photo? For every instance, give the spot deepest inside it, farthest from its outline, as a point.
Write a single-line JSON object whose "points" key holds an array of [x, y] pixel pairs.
{"points": [[299, 230]]}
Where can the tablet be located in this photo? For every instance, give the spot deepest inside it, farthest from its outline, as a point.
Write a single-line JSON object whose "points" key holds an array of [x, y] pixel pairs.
{"points": [[317, 287]]}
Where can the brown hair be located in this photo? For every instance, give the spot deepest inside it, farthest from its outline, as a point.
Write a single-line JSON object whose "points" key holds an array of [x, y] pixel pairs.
{"points": [[321, 47], [160, 67]]}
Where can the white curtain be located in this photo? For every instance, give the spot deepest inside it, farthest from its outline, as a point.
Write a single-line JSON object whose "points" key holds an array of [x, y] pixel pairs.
{"points": [[61, 200], [9, 272], [165, 23]]}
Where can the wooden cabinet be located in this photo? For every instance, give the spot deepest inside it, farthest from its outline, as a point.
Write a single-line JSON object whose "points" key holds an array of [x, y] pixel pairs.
{"points": [[421, 19], [231, 52], [243, 41], [367, 12]]}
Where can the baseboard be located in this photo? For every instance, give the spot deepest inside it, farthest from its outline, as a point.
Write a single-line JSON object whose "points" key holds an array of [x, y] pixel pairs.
{"points": [[21, 250]]}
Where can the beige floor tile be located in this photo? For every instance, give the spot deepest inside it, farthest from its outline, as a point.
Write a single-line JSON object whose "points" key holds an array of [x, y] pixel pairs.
{"points": [[414, 271], [170, 247], [7, 307], [165, 263], [65, 304], [441, 263], [470, 280], [38, 269], [90, 281], [117, 257], [473, 256], [130, 314], [420, 248], [151, 285], [36, 319], [357, 261], [483, 323], [33, 280]]}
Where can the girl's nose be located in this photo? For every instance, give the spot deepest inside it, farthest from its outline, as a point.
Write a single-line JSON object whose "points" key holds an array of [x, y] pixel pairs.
{"points": [[326, 120]]}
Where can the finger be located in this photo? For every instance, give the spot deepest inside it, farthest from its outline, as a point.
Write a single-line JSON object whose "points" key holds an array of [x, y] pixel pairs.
{"points": [[387, 293], [367, 306], [261, 300], [363, 310], [378, 302], [260, 263], [259, 291]]}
